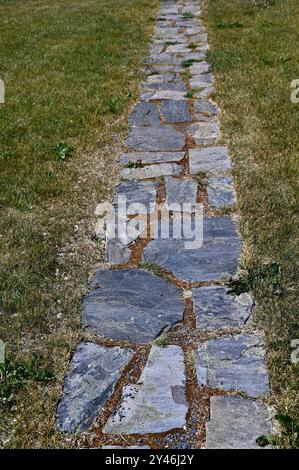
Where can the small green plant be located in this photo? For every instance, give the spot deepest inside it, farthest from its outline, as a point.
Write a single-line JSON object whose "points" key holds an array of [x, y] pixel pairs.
{"points": [[137, 164], [290, 432], [270, 275], [190, 94], [154, 268], [188, 62], [162, 341], [188, 15], [117, 103], [171, 43], [14, 375], [234, 25], [192, 45], [62, 151]]}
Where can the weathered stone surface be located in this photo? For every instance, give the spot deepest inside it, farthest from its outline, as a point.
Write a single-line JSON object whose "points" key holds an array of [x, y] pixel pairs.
{"points": [[169, 95], [205, 107], [145, 114], [201, 81], [174, 86], [199, 68], [155, 138], [209, 160], [205, 133], [152, 171], [175, 111], [164, 58], [234, 363], [215, 308], [216, 258], [157, 403], [131, 305], [236, 423], [220, 192], [136, 192], [180, 191], [94, 371], [151, 157]]}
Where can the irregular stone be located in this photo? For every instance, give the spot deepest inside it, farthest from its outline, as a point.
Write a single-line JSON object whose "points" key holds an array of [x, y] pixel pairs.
{"points": [[215, 308], [205, 92], [151, 157], [201, 36], [236, 423], [164, 32], [199, 68], [209, 160], [234, 363], [131, 305], [175, 111], [137, 192], [164, 58], [180, 191], [145, 114], [205, 133], [157, 403], [94, 371], [152, 171], [220, 192], [168, 95], [201, 81], [205, 107], [174, 86], [155, 138], [216, 258]]}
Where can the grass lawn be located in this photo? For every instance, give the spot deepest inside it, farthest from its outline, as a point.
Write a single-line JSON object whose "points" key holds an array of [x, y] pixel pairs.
{"points": [[71, 70], [254, 54]]}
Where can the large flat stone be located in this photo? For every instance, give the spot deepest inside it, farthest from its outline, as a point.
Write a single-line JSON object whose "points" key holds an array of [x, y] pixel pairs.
{"points": [[204, 107], [155, 138], [145, 114], [234, 363], [220, 192], [169, 95], [131, 305], [215, 308], [213, 160], [236, 423], [151, 157], [175, 111], [205, 133], [136, 192], [180, 191], [94, 371], [174, 86], [151, 171], [217, 258], [157, 402]]}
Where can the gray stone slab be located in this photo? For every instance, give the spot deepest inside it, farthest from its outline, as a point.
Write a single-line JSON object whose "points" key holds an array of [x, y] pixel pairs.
{"points": [[205, 107], [157, 403], [164, 59], [236, 423], [117, 251], [151, 157], [169, 94], [180, 191], [152, 171], [136, 192], [205, 133], [215, 308], [155, 138], [175, 111], [217, 257], [145, 114], [201, 81], [212, 160], [199, 68], [220, 192], [234, 363], [131, 305], [94, 371], [174, 85]]}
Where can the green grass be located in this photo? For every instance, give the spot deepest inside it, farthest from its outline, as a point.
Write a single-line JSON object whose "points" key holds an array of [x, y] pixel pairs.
{"points": [[254, 57], [71, 70]]}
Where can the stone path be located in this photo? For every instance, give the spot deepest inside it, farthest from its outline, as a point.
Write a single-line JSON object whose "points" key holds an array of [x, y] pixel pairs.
{"points": [[176, 361]]}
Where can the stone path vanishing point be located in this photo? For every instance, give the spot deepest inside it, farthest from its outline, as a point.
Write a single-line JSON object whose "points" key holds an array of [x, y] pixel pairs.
{"points": [[176, 361]]}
